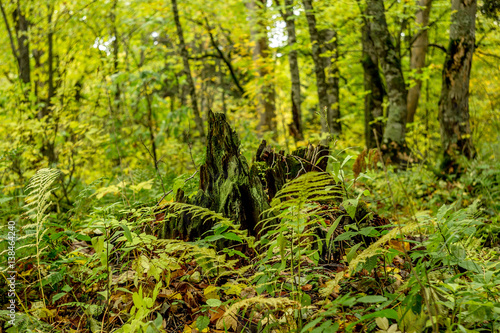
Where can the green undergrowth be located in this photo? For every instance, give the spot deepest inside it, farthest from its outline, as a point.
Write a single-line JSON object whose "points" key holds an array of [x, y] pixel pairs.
{"points": [[318, 265]]}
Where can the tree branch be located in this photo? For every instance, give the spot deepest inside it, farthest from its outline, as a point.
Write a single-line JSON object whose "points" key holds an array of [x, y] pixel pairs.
{"points": [[441, 47], [223, 57], [7, 26]]}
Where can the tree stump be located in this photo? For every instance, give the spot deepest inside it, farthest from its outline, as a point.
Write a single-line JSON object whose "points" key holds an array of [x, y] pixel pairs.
{"points": [[227, 186], [274, 169]]}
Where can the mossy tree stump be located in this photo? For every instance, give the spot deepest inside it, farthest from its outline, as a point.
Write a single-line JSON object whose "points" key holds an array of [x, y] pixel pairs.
{"points": [[275, 169], [227, 186]]}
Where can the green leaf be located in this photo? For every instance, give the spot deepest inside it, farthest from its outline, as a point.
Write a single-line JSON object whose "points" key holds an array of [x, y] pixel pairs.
{"points": [[158, 321], [386, 313], [127, 232], [350, 206], [124, 290], [470, 266], [57, 296], [151, 328], [202, 322], [352, 253], [368, 231], [6, 199], [344, 236], [232, 236], [214, 238], [372, 299], [213, 302], [311, 324], [333, 227], [345, 160], [66, 288]]}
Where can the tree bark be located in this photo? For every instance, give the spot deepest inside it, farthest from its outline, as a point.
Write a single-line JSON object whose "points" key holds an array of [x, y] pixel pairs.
{"points": [[454, 101], [274, 169], [227, 186], [374, 89], [22, 52], [23, 46], [418, 54], [329, 40], [319, 69], [261, 53], [388, 55], [288, 17], [187, 70]]}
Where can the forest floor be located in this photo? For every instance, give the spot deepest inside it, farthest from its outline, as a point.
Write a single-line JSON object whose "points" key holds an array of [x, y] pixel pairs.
{"points": [[398, 252]]}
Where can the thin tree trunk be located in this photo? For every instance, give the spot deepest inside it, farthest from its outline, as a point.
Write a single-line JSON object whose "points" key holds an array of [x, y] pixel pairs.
{"points": [[395, 131], [418, 54], [22, 52], [261, 57], [116, 49], [454, 101], [329, 40], [48, 148], [288, 17], [373, 84], [187, 70], [50, 60], [23, 46], [319, 69]]}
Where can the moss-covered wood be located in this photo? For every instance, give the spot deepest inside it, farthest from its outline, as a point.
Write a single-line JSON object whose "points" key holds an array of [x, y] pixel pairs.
{"points": [[227, 186], [274, 169]]}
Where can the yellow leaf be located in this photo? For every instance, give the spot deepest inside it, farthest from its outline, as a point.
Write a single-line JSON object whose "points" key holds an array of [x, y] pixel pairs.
{"points": [[142, 186], [210, 292], [234, 289]]}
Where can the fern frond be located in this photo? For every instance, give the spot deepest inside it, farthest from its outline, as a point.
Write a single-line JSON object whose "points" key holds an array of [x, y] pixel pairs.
{"points": [[229, 319], [376, 248], [206, 257], [197, 211], [40, 189]]}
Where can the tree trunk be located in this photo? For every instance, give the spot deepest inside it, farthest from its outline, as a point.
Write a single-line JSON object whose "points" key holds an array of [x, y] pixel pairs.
{"points": [[227, 186], [319, 69], [288, 17], [116, 49], [374, 89], [23, 46], [267, 96], [329, 40], [418, 53], [388, 55], [274, 169], [454, 101], [22, 52], [187, 70]]}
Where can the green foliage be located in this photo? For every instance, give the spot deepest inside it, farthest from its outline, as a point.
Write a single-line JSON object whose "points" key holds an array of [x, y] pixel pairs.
{"points": [[96, 145], [290, 233]]}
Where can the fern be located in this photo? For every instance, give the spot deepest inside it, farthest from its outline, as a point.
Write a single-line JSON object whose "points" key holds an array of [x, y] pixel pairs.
{"points": [[208, 258], [376, 248], [206, 214], [229, 319], [40, 189], [289, 235]]}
